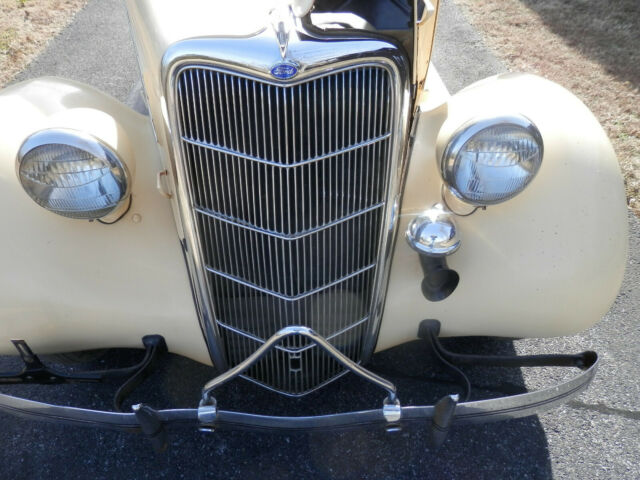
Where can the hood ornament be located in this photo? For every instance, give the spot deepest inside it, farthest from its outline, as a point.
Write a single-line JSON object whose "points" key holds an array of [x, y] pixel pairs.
{"points": [[282, 34], [283, 22]]}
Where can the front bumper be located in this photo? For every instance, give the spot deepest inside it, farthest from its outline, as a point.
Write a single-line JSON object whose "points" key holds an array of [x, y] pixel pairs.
{"points": [[448, 411]]}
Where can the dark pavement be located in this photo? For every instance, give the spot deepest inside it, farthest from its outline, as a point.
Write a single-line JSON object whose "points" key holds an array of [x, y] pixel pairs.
{"points": [[596, 436]]}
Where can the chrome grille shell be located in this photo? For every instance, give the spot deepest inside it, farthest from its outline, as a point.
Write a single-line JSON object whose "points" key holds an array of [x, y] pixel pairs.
{"points": [[272, 285]]}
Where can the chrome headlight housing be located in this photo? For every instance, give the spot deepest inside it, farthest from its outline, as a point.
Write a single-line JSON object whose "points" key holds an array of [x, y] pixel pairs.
{"points": [[72, 173], [488, 161]]}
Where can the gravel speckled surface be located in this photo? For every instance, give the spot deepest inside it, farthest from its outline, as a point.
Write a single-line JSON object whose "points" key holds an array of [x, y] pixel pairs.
{"points": [[596, 436]]}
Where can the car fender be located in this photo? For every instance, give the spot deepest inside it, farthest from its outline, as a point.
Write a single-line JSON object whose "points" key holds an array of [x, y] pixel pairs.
{"points": [[548, 262], [72, 284]]}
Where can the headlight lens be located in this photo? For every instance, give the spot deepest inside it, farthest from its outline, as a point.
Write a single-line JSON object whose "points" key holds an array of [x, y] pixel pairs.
{"points": [[489, 161], [72, 174]]}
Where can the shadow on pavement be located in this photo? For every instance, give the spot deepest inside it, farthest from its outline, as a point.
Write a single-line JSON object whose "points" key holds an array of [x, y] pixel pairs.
{"points": [[515, 448]]}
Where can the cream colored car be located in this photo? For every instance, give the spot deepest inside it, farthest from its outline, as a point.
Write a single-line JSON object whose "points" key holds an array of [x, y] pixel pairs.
{"points": [[303, 193]]}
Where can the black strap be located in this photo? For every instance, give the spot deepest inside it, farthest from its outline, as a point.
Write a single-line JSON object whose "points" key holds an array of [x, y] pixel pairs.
{"points": [[155, 345]]}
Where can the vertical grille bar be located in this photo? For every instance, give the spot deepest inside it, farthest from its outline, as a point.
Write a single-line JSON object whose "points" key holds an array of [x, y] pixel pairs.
{"points": [[288, 186]]}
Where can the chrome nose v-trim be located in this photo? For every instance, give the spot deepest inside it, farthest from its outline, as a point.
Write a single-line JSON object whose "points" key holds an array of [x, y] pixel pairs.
{"points": [[315, 338]]}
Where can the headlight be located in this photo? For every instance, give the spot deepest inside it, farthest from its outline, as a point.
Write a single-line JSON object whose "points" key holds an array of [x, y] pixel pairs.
{"points": [[72, 173], [489, 161]]}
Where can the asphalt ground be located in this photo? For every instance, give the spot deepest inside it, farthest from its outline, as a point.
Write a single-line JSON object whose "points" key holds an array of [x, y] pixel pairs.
{"points": [[595, 436]]}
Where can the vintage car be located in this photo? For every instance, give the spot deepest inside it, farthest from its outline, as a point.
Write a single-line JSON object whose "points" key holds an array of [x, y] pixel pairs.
{"points": [[303, 192]]}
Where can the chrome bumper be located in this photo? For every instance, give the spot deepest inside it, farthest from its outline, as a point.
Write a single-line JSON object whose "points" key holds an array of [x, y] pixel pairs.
{"points": [[392, 415]]}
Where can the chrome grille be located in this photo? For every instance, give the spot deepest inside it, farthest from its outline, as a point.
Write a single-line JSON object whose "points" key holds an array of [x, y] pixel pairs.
{"points": [[288, 187]]}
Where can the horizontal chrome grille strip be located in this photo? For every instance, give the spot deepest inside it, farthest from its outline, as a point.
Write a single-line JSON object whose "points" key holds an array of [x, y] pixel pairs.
{"points": [[297, 236], [257, 118], [227, 151], [289, 201], [326, 312], [294, 298], [293, 350], [290, 267], [294, 395]]}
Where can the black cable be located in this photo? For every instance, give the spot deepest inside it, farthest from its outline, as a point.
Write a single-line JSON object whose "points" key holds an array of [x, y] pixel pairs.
{"points": [[120, 217]]}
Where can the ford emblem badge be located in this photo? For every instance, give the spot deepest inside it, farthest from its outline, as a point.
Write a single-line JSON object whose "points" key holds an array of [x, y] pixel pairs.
{"points": [[284, 71]]}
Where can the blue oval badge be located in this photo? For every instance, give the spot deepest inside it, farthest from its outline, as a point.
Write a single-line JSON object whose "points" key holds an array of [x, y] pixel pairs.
{"points": [[284, 71]]}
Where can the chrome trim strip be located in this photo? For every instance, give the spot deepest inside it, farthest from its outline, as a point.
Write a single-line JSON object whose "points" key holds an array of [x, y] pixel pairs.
{"points": [[285, 166], [320, 341], [295, 395], [293, 350], [284, 236], [287, 298]]}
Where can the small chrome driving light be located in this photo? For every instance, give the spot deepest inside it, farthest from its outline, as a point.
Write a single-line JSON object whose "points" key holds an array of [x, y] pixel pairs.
{"points": [[433, 233], [491, 160], [72, 173], [434, 236]]}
